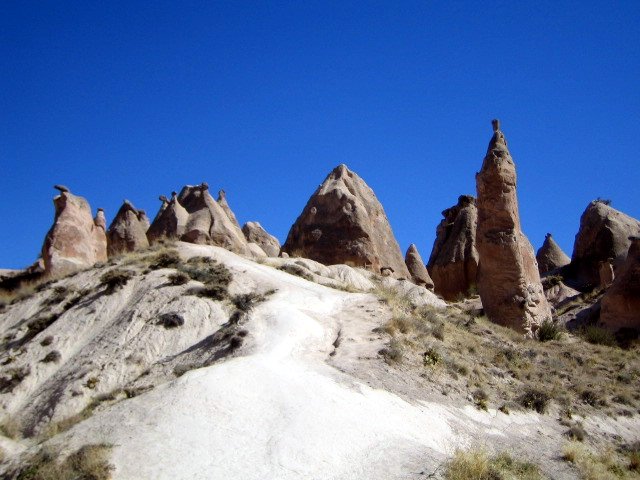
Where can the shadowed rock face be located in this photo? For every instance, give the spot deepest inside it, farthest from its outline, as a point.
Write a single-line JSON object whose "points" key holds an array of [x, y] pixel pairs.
{"points": [[604, 233], [343, 222], [508, 279], [222, 201], [254, 233], [417, 269], [128, 231], [453, 264], [550, 256], [170, 222], [75, 240], [621, 302]]}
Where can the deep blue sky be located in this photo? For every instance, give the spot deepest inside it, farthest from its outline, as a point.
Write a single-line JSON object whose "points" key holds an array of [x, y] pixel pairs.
{"points": [[134, 99]]}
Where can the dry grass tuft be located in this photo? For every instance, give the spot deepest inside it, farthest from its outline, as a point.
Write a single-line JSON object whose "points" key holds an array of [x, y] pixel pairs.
{"points": [[88, 463], [478, 465]]}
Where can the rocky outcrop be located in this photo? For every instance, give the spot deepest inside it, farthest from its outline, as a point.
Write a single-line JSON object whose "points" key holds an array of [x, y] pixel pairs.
{"points": [[550, 256], [208, 223], [416, 267], [604, 234], [170, 222], [343, 222], [76, 240], [508, 279], [128, 231], [222, 201], [254, 233], [621, 302], [453, 264]]}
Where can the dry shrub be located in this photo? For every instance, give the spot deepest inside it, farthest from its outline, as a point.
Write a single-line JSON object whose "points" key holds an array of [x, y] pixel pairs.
{"points": [[88, 463], [476, 464]]}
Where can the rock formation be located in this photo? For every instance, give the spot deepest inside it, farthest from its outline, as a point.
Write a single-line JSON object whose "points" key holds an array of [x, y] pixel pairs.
{"points": [[343, 222], [621, 302], [550, 256], [453, 264], [144, 220], [508, 279], [222, 201], [416, 267], [127, 232], [170, 222], [604, 233], [208, 222], [254, 233], [76, 240]]}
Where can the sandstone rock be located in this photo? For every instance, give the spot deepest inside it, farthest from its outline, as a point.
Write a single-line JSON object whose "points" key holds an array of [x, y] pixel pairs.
{"points": [[170, 222], [558, 293], [144, 220], [604, 233], [621, 302], [256, 250], [127, 232], [416, 267], [100, 220], [550, 256], [508, 279], [208, 223], [75, 240], [222, 201], [254, 232], [343, 222], [453, 264], [605, 272]]}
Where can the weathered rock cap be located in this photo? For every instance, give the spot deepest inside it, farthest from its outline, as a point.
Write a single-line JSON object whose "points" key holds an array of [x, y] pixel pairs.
{"points": [[417, 268]]}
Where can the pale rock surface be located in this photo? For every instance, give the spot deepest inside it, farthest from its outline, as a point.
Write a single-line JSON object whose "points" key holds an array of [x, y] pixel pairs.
{"points": [[417, 269], [550, 256], [75, 240], [604, 233], [127, 232], [508, 279], [144, 220], [256, 250], [621, 302], [254, 232], [453, 264], [222, 201], [344, 223]]}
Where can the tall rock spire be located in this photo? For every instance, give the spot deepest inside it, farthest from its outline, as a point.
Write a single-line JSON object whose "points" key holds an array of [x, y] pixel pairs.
{"points": [[508, 279]]}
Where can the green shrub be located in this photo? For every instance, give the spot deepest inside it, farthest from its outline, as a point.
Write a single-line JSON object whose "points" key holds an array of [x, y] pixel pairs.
{"points": [[535, 399], [477, 465], [431, 357], [549, 330], [115, 279], [598, 336]]}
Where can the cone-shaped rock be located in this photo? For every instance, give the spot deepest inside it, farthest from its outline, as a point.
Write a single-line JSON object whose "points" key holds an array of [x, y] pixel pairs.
{"points": [[144, 220], [343, 222], [76, 240], [127, 232], [508, 279], [170, 222], [604, 234], [222, 201], [254, 233], [550, 256], [417, 269], [453, 264], [208, 223], [621, 302]]}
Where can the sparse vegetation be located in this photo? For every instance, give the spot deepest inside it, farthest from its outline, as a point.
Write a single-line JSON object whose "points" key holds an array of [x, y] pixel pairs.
{"points": [[296, 270], [178, 278], [88, 463], [478, 465], [165, 258], [115, 279], [171, 320], [606, 464], [12, 377], [598, 336], [535, 399], [549, 330], [53, 356]]}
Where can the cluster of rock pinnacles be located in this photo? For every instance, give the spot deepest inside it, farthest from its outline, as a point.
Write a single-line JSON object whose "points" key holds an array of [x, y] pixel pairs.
{"points": [[479, 244]]}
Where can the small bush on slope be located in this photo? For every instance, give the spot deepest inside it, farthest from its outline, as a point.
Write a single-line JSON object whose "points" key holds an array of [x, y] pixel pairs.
{"points": [[88, 463], [607, 464], [115, 279], [296, 270], [478, 465]]}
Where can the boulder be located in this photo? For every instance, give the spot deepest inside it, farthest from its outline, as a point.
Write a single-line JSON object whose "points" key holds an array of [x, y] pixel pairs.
{"points": [[621, 302], [453, 264], [76, 240], [508, 279], [604, 233], [208, 223], [550, 256], [254, 232], [127, 232], [416, 267], [170, 222], [343, 222], [222, 201]]}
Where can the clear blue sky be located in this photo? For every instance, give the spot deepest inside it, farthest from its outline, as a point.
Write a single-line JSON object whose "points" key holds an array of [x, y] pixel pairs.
{"points": [[135, 99]]}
